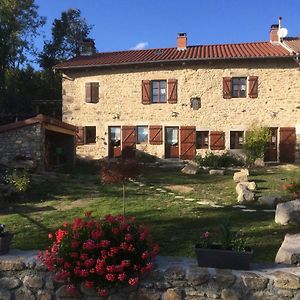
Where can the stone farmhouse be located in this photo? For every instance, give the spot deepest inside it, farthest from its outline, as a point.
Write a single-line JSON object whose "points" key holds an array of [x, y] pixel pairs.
{"points": [[177, 102]]}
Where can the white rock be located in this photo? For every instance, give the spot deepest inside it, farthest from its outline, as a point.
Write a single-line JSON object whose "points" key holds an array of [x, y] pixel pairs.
{"points": [[240, 177], [270, 200], [251, 185], [190, 169], [239, 206], [288, 212], [216, 172], [244, 195], [245, 171], [249, 210], [289, 251], [259, 162]]}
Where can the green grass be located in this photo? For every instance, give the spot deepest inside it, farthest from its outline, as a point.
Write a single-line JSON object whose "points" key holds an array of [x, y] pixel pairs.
{"points": [[175, 223]]}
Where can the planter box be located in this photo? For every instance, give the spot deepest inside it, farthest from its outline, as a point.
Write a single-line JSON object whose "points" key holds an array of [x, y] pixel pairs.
{"points": [[5, 240], [223, 259]]}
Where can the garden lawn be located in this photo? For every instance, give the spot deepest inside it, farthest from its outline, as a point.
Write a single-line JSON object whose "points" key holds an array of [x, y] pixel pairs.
{"points": [[164, 199]]}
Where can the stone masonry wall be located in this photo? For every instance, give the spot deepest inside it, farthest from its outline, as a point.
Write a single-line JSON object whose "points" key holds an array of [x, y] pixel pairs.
{"points": [[23, 278], [120, 92], [27, 141]]}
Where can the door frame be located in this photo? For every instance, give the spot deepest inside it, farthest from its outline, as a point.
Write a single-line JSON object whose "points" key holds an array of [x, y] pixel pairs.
{"points": [[112, 152], [176, 148], [267, 148]]}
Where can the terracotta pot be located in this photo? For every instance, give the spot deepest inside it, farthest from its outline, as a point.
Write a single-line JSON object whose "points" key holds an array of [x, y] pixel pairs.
{"points": [[217, 257], [5, 240]]}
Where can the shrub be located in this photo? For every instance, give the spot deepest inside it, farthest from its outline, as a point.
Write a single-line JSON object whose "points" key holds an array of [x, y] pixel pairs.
{"points": [[101, 254], [255, 142], [216, 161], [18, 179]]}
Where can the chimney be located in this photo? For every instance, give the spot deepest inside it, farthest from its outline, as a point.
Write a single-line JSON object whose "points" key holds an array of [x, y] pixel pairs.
{"points": [[87, 47], [274, 38], [181, 41]]}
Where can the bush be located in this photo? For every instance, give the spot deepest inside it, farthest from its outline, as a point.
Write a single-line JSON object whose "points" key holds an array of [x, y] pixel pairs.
{"points": [[255, 142], [217, 161], [102, 254], [18, 179]]}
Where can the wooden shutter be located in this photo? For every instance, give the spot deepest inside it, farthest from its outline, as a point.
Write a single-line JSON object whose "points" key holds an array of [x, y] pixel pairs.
{"points": [[94, 92], [172, 91], [155, 135], [146, 95], [287, 144], [217, 140], [253, 86], [88, 92], [80, 136], [128, 141], [227, 86], [187, 142]]}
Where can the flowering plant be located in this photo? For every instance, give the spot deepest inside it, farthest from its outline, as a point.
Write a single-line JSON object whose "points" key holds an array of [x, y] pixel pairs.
{"points": [[100, 253]]}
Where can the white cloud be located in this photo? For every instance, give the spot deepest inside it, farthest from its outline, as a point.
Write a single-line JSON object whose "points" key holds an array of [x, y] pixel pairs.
{"points": [[140, 46]]}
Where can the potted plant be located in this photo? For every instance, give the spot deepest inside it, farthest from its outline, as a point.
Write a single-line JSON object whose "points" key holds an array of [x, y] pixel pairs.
{"points": [[5, 239], [231, 253]]}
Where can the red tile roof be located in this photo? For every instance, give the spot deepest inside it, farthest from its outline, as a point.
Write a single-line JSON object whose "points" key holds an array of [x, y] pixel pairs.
{"points": [[192, 53], [293, 43], [37, 119]]}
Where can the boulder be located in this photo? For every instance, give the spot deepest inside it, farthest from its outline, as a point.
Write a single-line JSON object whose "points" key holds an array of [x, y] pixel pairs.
{"points": [[244, 195], [289, 251], [250, 185], [216, 172], [190, 169], [259, 162], [245, 171], [240, 177], [288, 212], [270, 200]]}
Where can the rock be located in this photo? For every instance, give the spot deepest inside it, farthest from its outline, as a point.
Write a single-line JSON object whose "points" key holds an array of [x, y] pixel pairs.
{"points": [[270, 200], [49, 284], [147, 294], [88, 291], [244, 195], [283, 280], [254, 281], [227, 294], [190, 169], [224, 278], [172, 294], [9, 283], [43, 295], [197, 275], [8, 263], [64, 292], [33, 282], [250, 185], [245, 171], [24, 294], [289, 251], [240, 177], [115, 297], [175, 273], [288, 212], [5, 295], [259, 162], [216, 172]]}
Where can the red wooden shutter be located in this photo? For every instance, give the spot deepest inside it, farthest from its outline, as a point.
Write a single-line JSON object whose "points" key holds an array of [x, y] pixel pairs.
{"points": [[88, 92], [253, 86], [217, 140], [172, 91], [156, 135], [94, 92], [287, 144], [187, 142], [146, 96], [128, 141], [227, 88], [80, 136]]}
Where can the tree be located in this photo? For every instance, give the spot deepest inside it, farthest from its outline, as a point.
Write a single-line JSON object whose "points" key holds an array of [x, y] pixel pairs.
{"points": [[255, 142], [68, 32]]}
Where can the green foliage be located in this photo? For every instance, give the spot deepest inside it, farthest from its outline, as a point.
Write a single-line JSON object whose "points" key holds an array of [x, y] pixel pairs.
{"points": [[226, 234], [255, 142], [145, 157], [18, 179], [217, 161]]}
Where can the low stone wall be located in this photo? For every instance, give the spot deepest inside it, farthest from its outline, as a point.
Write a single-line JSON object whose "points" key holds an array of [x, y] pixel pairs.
{"points": [[23, 278]]}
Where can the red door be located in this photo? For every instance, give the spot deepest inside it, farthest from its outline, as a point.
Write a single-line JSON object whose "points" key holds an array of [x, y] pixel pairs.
{"points": [[114, 141], [287, 144], [271, 147], [128, 142], [171, 142], [187, 142]]}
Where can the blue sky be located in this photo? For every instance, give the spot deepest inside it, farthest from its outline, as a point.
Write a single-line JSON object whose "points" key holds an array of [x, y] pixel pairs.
{"points": [[123, 24]]}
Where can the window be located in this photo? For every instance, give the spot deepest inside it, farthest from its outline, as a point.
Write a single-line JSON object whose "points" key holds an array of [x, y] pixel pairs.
{"points": [[159, 91], [115, 136], [201, 139], [142, 134], [90, 134], [236, 139], [239, 85], [92, 92]]}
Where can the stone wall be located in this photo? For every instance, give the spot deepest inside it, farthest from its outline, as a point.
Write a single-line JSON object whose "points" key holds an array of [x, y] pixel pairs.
{"points": [[26, 141], [120, 93], [23, 278]]}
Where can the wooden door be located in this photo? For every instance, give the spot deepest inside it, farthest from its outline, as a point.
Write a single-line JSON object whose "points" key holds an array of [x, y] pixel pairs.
{"points": [[187, 142], [128, 142], [114, 141], [287, 144], [171, 142], [271, 147]]}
